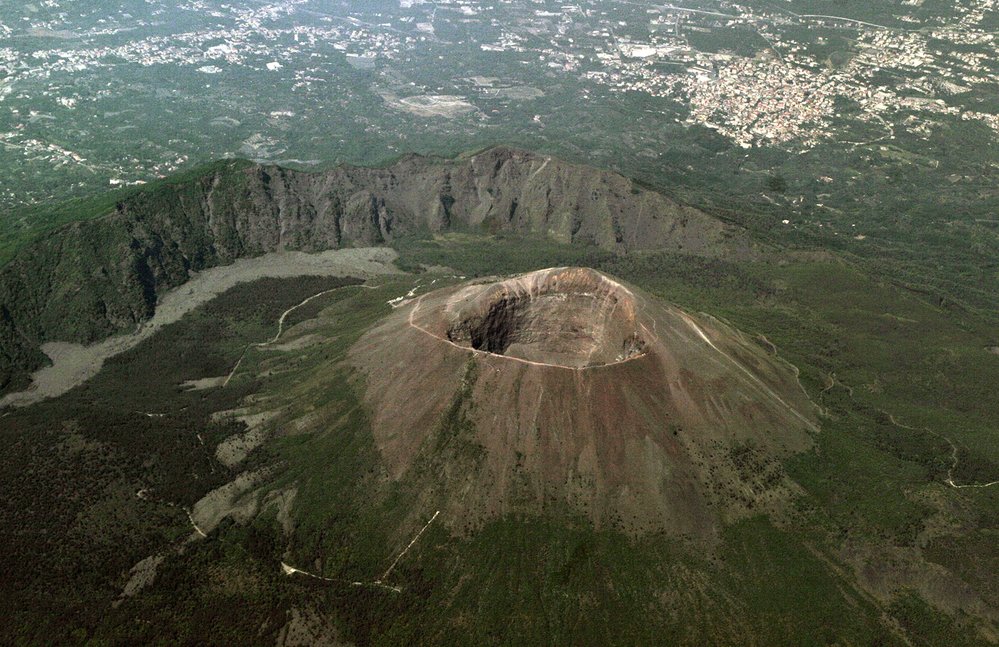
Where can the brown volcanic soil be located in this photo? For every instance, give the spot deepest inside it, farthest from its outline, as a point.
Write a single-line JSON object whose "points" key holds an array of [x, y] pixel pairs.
{"points": [[563, 389]]}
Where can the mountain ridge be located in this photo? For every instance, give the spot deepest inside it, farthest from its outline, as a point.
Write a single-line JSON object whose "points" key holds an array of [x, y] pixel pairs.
{"points": [[90, 279]]}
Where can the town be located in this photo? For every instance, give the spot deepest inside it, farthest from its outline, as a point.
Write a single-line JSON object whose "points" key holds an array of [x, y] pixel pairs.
{"points": [[756, 75]]}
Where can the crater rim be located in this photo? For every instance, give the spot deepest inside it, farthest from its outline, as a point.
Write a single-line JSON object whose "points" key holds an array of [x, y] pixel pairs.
{"points": [[569, 317]]}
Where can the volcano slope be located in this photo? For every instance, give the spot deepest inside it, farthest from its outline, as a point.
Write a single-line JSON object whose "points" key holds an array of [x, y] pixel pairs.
{"points": [[141, 505], [575, 392]]}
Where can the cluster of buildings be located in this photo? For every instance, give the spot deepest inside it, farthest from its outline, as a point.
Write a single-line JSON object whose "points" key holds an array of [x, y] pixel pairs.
{"points": [[755, 101], [787, 93], [255, 37], [784, 96]]}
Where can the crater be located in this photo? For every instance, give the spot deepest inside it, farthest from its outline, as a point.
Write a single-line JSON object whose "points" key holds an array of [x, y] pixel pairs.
{"points": [[572, 317], [648, 445]]}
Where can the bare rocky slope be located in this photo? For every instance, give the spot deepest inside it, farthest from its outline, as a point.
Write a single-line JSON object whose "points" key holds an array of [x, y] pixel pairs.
{"points": [[565, 389], [94, 278]]}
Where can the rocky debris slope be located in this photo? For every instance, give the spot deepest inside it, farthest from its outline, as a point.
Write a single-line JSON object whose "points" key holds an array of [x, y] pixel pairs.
{"points": [[95, 278], [564, 389]]}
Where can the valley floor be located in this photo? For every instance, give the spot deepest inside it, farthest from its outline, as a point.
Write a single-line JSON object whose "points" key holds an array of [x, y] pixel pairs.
{"points": [[74, 364]]}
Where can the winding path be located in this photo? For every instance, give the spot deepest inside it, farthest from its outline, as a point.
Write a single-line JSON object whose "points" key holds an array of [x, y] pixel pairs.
{"points": [[280, 329], [380, 582], [953, 454], [73, 364], [834, 382]]}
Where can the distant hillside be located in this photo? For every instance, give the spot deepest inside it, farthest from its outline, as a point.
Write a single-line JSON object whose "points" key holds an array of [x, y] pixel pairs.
{"points": [[91, 279]]}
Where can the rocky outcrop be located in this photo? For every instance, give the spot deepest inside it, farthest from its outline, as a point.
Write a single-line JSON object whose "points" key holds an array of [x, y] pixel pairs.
{"points": [[91, 279]]}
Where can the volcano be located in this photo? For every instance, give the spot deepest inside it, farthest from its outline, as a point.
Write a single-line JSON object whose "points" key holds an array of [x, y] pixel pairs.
{"points": [[566, 391]]}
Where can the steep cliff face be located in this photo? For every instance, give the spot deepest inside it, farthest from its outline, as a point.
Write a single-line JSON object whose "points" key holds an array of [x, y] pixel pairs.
{"points": [[498, 190], [95, 278]]}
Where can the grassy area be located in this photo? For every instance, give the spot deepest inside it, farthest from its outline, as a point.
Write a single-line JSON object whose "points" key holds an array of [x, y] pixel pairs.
{"points": [[519, 580], [34, 222], [71, 525], [868, 351]]}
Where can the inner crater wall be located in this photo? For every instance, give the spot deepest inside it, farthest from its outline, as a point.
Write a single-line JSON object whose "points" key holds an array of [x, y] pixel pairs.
{"points": [[571, 317]]}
